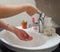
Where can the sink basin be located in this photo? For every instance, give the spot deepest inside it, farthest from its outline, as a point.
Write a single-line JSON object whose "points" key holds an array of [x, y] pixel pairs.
{"points": [[39, 41]]}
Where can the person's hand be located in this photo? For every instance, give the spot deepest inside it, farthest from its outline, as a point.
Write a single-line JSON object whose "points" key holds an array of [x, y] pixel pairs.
{"points": [[31, 10], [22, 35]]}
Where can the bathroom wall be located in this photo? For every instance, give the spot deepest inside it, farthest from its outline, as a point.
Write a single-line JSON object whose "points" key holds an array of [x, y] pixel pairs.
{"points": [[50, 8], [16, 20]]}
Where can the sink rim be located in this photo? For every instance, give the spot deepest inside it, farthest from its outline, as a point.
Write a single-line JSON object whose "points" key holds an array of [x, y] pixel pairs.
{"points": [[32, 48]]}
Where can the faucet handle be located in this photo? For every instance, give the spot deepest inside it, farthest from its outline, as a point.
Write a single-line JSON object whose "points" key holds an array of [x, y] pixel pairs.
{"points": [[40, 15]]}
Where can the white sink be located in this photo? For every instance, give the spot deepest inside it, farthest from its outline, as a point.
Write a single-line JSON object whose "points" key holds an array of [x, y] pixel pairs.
{"points": [[39, 42]]}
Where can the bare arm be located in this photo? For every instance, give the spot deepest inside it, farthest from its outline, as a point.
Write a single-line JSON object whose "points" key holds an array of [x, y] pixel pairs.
{"points": [[7, 10], [22, 35], [5, 25]]}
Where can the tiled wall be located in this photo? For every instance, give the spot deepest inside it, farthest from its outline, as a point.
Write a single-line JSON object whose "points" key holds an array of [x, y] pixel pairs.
{"points": [[51, 8]]}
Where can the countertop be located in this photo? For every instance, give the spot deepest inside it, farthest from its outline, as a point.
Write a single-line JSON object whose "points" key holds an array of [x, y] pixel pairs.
{"points": [[5, 49]]}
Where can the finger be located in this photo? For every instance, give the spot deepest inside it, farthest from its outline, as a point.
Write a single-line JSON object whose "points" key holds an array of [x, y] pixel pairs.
{"points": [[27, 37], [25, 33], [20, 35], [30, 38]]}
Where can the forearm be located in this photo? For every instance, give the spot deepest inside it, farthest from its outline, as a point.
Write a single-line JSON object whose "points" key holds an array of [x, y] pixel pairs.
{"points": [[7, 11], [6, 26]]}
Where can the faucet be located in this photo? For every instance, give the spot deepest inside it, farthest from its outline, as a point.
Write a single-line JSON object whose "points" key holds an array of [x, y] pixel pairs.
{"points": [[38, 22]]}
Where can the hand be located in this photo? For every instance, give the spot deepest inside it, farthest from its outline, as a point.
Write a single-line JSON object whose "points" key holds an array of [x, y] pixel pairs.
{"points": [[31, 10], [22, 35]]}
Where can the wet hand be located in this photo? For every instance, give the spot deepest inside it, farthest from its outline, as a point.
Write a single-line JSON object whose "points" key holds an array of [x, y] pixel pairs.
{"points": [[22, 35]]}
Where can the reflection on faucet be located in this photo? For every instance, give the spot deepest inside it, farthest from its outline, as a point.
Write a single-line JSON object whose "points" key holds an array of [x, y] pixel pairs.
{"points": [[41, 18], [35, 24]]}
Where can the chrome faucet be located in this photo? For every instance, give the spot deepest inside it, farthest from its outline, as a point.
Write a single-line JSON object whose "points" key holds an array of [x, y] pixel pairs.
{"points": [[38, 22]]}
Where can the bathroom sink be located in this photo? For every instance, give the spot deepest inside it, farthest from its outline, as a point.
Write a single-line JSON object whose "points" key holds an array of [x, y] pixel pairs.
{"points": [[39, 42]]}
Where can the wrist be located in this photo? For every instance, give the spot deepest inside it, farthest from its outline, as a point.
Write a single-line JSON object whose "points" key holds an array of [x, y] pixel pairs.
{"points": [[9, 27]]}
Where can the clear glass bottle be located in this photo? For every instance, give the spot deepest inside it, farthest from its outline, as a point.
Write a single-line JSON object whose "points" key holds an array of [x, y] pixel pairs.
{"points": [[49, 29]]}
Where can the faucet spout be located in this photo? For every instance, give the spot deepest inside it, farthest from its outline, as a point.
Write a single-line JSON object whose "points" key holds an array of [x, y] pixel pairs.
{"points": [[33, 24], [40, 20]]}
